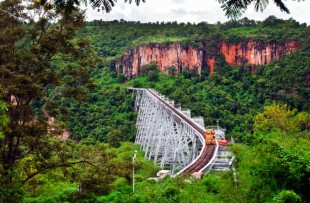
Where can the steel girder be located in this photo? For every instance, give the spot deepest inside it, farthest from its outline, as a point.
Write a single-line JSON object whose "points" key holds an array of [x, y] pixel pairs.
{"points": [[165, 138]]}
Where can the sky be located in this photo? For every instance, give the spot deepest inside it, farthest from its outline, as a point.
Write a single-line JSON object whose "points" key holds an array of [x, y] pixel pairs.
{"points": [[194, 11]]}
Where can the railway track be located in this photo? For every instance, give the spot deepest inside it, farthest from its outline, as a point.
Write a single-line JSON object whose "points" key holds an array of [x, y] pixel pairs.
{"points": [[208, 151], [202, 161]]}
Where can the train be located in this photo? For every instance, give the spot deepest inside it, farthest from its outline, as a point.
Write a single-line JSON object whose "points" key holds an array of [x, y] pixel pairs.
{"points": [[210, 138]]}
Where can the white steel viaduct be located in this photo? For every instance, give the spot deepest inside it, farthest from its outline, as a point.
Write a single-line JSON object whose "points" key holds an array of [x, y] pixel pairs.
{"points": [[172, 139]]}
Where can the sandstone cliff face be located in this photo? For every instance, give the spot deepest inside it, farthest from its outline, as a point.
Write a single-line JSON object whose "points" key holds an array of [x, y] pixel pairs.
{"points": [[253, 53], [165, 56]]}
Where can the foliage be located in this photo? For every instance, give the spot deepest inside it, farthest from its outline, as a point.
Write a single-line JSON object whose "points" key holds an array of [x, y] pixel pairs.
{"points": [[98, 177], [286, 196], [32, 38], [107, 108], [110, 169], [4, 119], [276, 117], [52, 191], [235, 8], [151, 71], [232, 8], [113, 138]]}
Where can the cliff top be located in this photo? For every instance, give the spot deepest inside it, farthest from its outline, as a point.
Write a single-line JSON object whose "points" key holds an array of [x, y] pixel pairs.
{"points": [[112, 39]]}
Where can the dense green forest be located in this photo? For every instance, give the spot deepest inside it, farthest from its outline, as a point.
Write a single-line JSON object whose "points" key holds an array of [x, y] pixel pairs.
{"points": [[231, 94], [266, 111], [112, 39]]}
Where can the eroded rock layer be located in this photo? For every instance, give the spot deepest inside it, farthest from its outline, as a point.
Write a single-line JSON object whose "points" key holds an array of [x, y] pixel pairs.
{"points": [[181, 57]]}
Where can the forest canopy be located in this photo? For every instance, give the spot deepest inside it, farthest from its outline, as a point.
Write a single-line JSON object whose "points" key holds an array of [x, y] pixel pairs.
{"points": [[32, 38]]}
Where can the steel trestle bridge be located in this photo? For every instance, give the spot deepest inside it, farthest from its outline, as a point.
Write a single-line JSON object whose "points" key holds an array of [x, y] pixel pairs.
{"points": [[172, 138]]}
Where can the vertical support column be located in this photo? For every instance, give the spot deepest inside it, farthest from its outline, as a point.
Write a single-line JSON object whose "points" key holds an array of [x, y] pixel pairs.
{"points": [[163, 136]]}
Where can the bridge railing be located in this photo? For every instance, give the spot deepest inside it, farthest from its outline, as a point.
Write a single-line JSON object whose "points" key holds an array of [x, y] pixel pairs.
{"points": [[215, 127], [208, 167]]}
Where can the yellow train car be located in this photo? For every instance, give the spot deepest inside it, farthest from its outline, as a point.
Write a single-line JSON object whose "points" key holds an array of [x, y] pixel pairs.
{"points": [[210, 137]]}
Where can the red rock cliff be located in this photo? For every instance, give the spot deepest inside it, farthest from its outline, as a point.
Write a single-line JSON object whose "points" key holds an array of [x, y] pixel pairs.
{"points": [[252, 53]]}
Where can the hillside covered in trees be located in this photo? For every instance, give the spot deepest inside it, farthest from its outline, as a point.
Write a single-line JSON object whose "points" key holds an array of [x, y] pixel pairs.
{"points": [[112, 39], [72, 77], [266, 110]]}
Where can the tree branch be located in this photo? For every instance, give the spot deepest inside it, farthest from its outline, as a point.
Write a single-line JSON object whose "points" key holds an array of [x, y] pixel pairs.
{"points": [[57, 165]]}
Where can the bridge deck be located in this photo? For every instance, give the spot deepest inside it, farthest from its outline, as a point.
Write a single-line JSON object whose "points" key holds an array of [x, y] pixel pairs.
{"points": [[208, 151]]}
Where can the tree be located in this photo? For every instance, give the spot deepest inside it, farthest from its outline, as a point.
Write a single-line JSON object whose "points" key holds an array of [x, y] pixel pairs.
{"points": [[100, 5], [98, 178], [114, 138], [4, 119], [172, 70], [151, 71], [235, 8], [280, 117], [34, 39], [275, 116]]}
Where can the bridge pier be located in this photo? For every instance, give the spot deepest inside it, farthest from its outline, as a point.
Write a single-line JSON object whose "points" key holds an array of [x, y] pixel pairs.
{"points": [[163, 135]]}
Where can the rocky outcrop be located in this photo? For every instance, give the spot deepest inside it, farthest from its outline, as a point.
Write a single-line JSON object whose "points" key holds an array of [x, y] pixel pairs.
{"points": [[255, 53], [182, 57], [56, 131], [166, 56]]}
